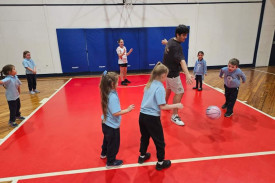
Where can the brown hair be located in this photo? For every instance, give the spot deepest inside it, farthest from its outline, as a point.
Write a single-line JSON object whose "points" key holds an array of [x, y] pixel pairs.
{"points": [[119, 40], [234, 61], [25, 53], [6, 70], [107, 83], [158, 70]]}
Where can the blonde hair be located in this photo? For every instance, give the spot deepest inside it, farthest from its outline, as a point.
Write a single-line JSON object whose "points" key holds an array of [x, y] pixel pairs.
{"points": [[107, 83], [158, 70]]}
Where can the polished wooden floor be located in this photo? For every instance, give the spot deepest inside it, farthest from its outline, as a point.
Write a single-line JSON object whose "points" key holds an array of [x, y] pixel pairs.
{"points": [[258, 91]]}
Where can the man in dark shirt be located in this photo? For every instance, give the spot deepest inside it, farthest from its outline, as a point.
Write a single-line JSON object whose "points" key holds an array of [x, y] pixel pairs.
{"points": [[174, 59]]}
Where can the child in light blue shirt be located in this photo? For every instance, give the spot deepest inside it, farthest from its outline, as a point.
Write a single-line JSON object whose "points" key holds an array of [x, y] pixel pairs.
{"points": [[111, 118], [30, 67], [149, 119], [12, 85], [200, 70], [232, 75]]}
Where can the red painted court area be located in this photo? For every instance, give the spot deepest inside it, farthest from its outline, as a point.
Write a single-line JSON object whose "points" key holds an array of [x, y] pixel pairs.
{"points": [[65, 134]]}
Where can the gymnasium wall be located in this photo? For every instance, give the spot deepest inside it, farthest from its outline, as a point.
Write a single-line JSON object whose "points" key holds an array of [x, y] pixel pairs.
{"points": [[267, 33], [222, 30]]}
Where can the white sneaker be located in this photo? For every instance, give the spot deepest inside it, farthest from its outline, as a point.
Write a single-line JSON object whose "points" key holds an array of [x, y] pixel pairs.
{"points": [[176, 119], [36, 91], [32, 92]]}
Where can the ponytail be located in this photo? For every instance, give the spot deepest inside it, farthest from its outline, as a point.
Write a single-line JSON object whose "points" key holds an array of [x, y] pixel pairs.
{"points": [[158, 70]]}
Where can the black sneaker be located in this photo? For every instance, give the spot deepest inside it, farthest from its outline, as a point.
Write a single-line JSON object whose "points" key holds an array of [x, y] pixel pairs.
{"points": [[13, 124], [126, 81], [115, 164], [146, 157], [165, 164], [200, 89], [228, 114], [123, 83], [195, 88], [224, 106], [20, 118]]}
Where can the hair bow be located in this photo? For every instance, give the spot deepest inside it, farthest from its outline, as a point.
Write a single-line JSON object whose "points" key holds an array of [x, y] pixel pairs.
{"points": [[104, 73]]}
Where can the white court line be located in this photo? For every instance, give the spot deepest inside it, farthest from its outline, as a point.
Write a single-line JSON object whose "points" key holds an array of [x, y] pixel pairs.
{"points": [[16, 128], [15, 181], [220, 90], [131, 86], [263, 71], [44, 100], [88, 170]]}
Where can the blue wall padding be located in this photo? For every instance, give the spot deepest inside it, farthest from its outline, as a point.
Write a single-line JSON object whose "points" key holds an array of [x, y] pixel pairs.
{"points": [[94, 50], [72, 50]]}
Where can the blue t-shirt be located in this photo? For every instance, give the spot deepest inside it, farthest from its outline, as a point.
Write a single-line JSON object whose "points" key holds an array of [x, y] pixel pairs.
{"points": [[11, 84], [153, 97], [200, 67], [112, 108], [28, 63], [232, 79]]}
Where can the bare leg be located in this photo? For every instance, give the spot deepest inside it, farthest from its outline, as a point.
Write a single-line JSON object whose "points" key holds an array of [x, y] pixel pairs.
{"points": [[121, 74], [125, 72], [168, 93], [177, 99]]}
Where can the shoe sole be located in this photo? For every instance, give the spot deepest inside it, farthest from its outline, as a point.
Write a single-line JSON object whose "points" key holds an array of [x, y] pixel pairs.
{"points": [[177, 123], [228, 116], [110, 167], [163, 168]]}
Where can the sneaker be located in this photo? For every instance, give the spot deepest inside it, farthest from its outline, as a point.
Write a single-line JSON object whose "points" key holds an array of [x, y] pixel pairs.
{"points": [[126, 81], [20, 118], [103, 156], [146, 157], [36, 91], [32, 92], [165, 164], [224, 106], [13, 124], [115, 164], [200, 89], [123, 83], [176, 119], [195, 88], [228, 114]]}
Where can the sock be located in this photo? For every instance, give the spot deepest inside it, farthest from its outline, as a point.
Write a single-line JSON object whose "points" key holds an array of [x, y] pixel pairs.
{"points": [[142, 156], [160, 162]]}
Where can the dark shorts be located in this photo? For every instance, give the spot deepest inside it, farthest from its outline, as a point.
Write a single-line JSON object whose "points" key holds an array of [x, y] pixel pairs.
{"points": [[123, 65]]}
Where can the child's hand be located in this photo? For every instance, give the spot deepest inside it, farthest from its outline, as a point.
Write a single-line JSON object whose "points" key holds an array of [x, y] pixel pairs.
{"points": [[131, 107], [179, 105], [131, 50], [164, 41], [34, 72]]}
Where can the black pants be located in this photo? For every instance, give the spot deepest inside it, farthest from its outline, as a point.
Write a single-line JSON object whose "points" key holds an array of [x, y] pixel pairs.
{"points": [[150, 126], [231, 95], [31, 81], [198, 81], [14, 106], [111, 142]]}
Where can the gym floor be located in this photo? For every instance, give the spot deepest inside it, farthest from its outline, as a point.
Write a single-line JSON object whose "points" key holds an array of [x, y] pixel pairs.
{"points": [[61, 138]]}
